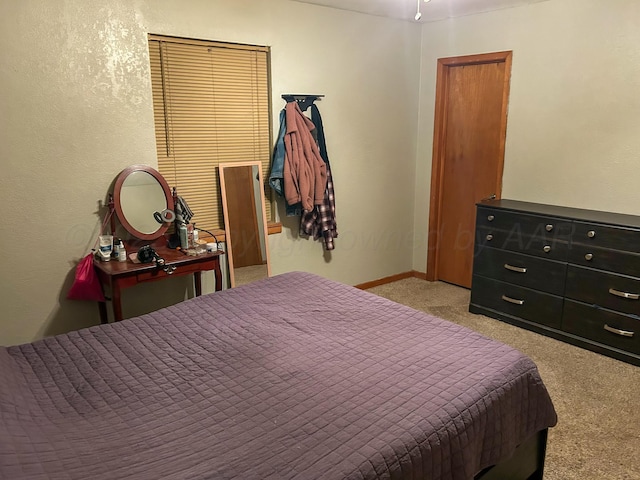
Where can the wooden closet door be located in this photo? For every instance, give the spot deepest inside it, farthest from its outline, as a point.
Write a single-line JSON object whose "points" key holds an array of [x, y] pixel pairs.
{"points": [[470, 130]]}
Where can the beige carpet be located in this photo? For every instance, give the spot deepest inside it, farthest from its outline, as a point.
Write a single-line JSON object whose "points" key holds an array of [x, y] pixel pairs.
{"points": [[597, 398], [244, 275]]}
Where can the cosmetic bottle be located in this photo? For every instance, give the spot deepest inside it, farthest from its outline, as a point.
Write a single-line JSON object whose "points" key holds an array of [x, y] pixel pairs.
{"points": [[195, 236], [114, 249], [106, 247], [184, 238], [122, 253]]}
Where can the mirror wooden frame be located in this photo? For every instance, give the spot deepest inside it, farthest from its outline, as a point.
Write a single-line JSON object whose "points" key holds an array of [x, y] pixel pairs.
{"points": [[117, 193], [259, 217]]}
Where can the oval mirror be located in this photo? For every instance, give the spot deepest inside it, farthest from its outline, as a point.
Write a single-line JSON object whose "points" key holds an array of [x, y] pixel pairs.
{"points": [[140, 191]]}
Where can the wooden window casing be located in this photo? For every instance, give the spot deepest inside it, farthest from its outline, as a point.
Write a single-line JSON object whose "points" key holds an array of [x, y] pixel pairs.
{"points": [[211, 105]]}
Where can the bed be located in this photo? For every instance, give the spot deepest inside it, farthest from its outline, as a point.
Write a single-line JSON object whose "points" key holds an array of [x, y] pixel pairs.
{"points": [[292, 377]]}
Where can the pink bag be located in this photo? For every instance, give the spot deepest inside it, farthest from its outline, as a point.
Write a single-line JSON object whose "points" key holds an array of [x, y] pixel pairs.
{"points": [[86, 285]]}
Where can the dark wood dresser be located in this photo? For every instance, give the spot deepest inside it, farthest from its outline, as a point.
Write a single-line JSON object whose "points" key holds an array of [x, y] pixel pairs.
{"points": [[568, 273]]}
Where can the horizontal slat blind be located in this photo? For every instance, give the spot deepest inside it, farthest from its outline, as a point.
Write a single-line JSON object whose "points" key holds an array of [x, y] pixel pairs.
{"points": [[211, 106]]}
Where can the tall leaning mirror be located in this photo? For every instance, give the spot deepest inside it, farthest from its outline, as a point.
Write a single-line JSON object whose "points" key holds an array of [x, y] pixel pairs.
{"points": [[245, 222]]}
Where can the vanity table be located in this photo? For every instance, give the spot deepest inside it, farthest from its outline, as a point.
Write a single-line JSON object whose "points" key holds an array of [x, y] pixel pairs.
{"points": [[120, 275], [143, 203]]}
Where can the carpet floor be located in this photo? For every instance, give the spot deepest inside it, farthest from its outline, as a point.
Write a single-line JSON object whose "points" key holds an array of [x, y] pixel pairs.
{"points": [[597, 398]]}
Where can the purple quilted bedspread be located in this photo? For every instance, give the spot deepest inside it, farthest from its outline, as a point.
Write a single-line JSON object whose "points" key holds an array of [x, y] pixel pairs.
{"points": [[294, 377]]}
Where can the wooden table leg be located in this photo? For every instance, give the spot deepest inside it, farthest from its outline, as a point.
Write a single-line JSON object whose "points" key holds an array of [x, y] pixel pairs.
{"points": [[197, 278], [102, 308], [116, 301], [217, 271]]}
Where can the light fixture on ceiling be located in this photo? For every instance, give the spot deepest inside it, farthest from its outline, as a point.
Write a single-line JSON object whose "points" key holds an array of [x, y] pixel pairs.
{"points": [[418, 14]]}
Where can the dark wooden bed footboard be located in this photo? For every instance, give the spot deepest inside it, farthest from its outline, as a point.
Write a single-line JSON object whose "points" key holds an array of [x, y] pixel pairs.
{"points": [[527, 463]]}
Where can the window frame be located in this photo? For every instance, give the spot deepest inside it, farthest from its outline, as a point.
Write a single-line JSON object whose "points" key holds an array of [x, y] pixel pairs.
{"points": [[165, 118]]}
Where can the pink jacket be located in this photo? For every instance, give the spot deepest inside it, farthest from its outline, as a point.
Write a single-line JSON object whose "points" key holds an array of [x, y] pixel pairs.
{"points": [[305, 173]]}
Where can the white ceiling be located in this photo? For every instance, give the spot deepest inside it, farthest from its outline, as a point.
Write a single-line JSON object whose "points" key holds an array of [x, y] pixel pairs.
{"points": [[432, 11]]}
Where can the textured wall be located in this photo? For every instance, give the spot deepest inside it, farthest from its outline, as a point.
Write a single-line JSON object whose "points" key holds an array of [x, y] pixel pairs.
{"points": [[76, 109], [574, 107]]}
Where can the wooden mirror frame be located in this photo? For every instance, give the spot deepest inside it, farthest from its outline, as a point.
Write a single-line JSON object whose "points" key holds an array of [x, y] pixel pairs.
{"points": [[260, 216], [117, 192]]}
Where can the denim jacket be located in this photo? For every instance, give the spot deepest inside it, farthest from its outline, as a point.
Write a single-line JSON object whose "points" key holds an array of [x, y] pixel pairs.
{"points": [[276, 175]]}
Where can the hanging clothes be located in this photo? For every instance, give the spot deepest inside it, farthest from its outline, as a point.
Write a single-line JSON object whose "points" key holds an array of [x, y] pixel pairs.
{"points": [[321, 221], [304, 172], [276, 175], [295, 172]]}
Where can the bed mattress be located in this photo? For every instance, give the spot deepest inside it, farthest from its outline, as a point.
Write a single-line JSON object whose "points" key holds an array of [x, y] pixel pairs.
{"points": [[293, 377]]}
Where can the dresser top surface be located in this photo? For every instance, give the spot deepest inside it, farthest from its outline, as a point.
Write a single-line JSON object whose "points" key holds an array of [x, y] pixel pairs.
{"points": [[593, 216]]}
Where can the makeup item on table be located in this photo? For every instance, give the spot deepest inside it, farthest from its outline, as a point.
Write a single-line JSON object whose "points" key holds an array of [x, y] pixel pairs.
{"points": [[184, 238], [106, 247], [122, 253], [194, 236]]}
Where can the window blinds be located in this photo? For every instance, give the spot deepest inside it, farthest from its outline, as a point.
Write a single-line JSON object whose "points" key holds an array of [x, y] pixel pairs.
{"points": [[211, 106]]}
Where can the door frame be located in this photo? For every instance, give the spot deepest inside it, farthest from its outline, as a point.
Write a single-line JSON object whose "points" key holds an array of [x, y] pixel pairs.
{"points": [[439, 136]]}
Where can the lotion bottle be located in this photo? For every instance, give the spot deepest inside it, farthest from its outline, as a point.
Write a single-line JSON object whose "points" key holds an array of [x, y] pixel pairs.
{"points": [[122, 253], [195, 236], [184, 238]]}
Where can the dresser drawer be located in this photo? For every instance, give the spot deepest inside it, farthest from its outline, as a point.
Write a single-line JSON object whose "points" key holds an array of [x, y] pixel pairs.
{"points": [[545, 247], [575, 271], [538, 307], [601, 325], [524, 225], [623, 262], [616, 238], [524, 270], [616, 292]]}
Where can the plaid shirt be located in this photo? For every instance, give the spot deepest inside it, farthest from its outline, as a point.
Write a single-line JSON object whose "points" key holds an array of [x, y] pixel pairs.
{"points": [[321, 221]]}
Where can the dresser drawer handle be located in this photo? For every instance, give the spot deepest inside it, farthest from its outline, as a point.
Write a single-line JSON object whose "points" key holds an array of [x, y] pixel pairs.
{"points": [[618, 293], [588, 256], [489, 237], [546, 248], [491, 218], [591, 233], [623, 333], [512, 300], [548, 228], [515, 269]]}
